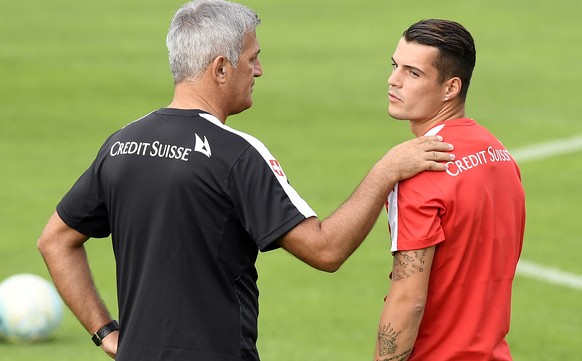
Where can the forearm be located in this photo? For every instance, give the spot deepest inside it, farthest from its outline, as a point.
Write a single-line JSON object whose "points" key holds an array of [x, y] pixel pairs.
{"points": [[404, 306], [70, 272], [348, 226], [73, 279], [64, 254], [327, 244], [397, 331]]}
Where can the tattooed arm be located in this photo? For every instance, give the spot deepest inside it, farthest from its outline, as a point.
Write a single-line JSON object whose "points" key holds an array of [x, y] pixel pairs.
{"points": [[404, 305]]}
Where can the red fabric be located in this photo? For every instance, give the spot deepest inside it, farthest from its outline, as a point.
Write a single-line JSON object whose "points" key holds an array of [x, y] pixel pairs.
{"points": [[475, 215]]}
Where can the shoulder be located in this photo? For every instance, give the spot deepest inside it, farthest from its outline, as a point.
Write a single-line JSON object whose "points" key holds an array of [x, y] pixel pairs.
{"points": [[238, 139], [244, 137]]}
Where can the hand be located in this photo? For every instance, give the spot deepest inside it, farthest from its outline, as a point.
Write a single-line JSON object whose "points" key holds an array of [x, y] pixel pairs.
{"points": [[109, 344], [414, 156]]}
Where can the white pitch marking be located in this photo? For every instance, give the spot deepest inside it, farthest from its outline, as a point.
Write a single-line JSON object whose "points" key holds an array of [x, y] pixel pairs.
{"points": [[537, 152], [548, 149], [549, 274]]}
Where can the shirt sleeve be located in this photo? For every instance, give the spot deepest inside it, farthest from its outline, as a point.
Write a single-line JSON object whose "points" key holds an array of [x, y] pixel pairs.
{"points": [[415, 208], [266, 204], [83, 207]]}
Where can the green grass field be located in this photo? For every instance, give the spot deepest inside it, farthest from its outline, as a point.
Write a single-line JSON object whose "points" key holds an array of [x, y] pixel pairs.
{"points": [[73, 72]]}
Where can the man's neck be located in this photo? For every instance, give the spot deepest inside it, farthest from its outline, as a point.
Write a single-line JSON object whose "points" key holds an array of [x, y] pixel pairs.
{"points": [[189, 95], [420, 127]]}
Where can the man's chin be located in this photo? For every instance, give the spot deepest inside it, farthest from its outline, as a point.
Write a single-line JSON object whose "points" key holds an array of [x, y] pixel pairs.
{"points": [[243, 108], [395, 115]]}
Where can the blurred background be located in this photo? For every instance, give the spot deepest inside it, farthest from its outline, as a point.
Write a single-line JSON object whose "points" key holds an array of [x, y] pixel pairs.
{"points": [[71, 73]]}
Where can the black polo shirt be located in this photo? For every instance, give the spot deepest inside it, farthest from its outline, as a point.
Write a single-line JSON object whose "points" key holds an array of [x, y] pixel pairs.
{"points": [[188, 202]]}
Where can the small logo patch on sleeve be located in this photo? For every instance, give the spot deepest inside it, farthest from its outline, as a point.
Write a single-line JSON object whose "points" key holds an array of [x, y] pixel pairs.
{"points": [[276, 167]]}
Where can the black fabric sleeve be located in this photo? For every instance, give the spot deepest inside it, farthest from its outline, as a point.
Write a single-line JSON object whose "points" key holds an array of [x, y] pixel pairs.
{"points": [[264, 205], [83, 207]]}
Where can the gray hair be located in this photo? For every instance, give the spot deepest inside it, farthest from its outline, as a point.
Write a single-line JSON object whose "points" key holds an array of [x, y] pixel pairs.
{"points": [[205, 29]]}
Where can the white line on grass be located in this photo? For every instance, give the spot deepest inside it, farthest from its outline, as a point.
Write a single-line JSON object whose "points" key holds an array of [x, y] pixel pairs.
{"points": [[536, 152], [548, 149], [549, 274]]}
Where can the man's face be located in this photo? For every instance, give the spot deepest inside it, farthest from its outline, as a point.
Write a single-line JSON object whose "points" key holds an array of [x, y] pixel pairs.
{"points": [[414, 92], [242, 78]]}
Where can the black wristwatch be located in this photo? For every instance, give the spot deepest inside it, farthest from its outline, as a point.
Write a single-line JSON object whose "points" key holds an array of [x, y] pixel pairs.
{"points": [[104, 331]]}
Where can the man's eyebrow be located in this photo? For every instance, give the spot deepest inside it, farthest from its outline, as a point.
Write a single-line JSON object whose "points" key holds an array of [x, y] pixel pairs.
{"points": [[409, 67]]}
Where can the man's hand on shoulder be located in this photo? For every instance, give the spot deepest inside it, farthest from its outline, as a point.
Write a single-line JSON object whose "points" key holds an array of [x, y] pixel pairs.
{"points": [[414, 156]]}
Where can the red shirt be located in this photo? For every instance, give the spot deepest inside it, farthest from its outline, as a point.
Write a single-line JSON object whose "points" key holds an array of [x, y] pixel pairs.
{"points": [[475, 215]]}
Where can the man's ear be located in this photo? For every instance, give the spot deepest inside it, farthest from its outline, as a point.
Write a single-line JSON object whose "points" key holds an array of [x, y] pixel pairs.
{"points": [[453, 88], [219, 68]]}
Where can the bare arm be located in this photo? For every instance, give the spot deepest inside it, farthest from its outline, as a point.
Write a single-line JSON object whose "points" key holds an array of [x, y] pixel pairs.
{"points": [[326, 244], [62, 248], [404, 305]]}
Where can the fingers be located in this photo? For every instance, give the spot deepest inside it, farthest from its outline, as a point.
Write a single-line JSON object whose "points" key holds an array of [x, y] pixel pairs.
{"points": [[436, 152], [438, 161], [437, 167], [414, 156], [441, 157], [434, 142]]}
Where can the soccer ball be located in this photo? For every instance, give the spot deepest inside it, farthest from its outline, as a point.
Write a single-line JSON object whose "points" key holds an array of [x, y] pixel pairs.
{"points": [[30, 309]]}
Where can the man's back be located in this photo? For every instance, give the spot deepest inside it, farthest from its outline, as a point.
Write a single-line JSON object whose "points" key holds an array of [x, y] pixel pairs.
{"points": [[474, 214], [189, 203]]}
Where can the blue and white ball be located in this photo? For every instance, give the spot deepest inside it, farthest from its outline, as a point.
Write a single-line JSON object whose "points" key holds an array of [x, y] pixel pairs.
{"points": [[30, 309]]}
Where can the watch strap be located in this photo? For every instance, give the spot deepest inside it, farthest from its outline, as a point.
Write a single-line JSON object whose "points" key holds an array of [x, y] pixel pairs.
{"points": [[104, 331]]}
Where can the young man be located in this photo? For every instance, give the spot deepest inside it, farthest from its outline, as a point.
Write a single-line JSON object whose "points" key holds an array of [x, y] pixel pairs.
{"points": [[456, 235], [189, 202]]}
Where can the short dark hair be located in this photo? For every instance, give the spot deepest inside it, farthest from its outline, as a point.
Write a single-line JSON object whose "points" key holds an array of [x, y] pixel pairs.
{"points": [[456, 49]]}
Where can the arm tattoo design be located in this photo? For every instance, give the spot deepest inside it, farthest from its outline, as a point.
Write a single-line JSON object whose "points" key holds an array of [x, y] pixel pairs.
{"points": [[402, 357], [407, 263], [387, 340], [387, 345]]}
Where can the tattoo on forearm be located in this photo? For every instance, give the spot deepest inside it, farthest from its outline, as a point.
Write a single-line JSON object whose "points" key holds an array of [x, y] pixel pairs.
{"points": [[407, 263], [387, 340], [402, 357], [387, 345]]}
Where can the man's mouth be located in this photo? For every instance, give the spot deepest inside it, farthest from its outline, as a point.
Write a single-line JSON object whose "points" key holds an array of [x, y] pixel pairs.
{"points": [[392, 96]]}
